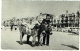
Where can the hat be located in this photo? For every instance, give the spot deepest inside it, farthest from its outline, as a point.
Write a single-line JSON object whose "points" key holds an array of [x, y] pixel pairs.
{"points": [[47, 15]]}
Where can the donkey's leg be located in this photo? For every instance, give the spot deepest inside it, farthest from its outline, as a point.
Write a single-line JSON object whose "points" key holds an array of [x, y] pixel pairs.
{"points": [[21, 37], [41, 39], [34, 40], [28, 36]]}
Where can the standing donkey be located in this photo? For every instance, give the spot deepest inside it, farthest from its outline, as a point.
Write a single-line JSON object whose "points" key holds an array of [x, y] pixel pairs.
{"points": [[26, 29], [23, 29]]}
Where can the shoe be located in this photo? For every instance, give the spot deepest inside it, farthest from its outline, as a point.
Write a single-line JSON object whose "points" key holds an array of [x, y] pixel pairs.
{"points": [[27, 42], [43, 43], [37, 44]]}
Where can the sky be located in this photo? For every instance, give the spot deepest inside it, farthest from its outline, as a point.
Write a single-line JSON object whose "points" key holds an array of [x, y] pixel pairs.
{"points": [[24, 8]]}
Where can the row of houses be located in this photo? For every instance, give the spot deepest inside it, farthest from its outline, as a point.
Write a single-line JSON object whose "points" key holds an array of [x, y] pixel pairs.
{"points": [[67, 20], [30, 20], [16, 21]]}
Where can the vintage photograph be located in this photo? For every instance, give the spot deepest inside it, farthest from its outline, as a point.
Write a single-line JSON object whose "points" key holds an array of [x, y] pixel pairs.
{"points": [[40, 25]]}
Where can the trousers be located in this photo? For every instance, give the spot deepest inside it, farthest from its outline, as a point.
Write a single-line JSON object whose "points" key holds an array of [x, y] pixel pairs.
{"points": [[46, 39]]}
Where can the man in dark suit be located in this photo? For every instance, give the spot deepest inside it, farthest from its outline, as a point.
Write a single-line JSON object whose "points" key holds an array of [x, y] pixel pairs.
{"points": [[41, 28], [47, 30]]}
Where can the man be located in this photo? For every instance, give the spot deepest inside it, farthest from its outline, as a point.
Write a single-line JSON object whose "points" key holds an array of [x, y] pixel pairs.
{"points": [[48, 30], [41, 29]]}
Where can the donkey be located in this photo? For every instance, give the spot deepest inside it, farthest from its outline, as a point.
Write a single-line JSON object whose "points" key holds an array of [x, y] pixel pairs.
{"points": [[24, 29]]}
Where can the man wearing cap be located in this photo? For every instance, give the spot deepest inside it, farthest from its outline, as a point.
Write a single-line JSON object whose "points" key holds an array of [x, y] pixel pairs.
{"points": [[48, 30]]}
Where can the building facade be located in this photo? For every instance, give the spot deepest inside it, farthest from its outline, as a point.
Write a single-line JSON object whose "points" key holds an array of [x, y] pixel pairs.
{"points": [[69, 20]]}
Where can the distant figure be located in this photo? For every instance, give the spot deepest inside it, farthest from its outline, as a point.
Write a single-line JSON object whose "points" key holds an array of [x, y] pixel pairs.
{"points": [[11, 24], [15, 25], [4, 25]]}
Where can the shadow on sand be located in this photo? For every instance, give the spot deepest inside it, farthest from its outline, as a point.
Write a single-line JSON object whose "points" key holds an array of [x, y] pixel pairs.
{"points": [[25, 42], [71, 46]]}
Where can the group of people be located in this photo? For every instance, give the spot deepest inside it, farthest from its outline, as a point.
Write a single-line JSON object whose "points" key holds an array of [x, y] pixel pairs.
{"points": [[44, 30]]}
